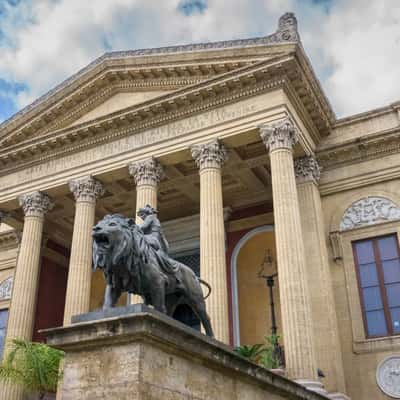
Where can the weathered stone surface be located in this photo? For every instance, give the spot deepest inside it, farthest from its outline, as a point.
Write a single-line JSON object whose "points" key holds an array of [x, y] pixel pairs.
{"points": [[145, 355]]}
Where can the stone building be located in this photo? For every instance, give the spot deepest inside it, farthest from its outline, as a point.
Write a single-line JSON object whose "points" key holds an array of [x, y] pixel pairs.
{"points": [[237, 146]]}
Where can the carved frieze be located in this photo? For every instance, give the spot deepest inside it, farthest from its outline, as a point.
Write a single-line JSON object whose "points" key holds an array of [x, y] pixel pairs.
{"points": [[369, 211], [147, 172], [388, 376], [6, 288], [307, 169], [35, 204], [281, 134], [86, 189], [209, 155]]}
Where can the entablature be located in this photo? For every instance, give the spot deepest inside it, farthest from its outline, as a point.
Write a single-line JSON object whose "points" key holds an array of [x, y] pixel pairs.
{"points": [[286, 72]]}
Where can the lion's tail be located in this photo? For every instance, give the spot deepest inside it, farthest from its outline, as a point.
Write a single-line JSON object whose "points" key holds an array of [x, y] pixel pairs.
{"points": [[207, 285]]}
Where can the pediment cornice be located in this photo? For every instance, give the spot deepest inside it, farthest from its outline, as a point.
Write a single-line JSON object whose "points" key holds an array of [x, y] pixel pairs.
{"points": [[187, 64], [285, 72]]}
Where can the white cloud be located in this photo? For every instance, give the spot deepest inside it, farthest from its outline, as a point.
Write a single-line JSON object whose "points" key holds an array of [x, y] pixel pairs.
{"points": [[360, 41], [354, 48]]}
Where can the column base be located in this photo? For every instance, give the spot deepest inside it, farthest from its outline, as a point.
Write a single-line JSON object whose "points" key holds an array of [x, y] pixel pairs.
{"points": [[338, 396], [314, 386]]}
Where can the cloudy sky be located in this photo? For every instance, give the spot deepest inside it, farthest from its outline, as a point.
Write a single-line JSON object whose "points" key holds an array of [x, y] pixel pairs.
{"points": [[354, 45]]}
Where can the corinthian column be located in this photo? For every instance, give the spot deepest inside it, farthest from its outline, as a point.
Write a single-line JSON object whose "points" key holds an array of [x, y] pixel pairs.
{"points": [[279, 139], [86, 191], [23, 303], [147, 175], [327, 344], [209, 158]]}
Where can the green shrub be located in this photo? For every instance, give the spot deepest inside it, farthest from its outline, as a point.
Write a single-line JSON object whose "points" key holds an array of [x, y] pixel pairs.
{"points": [[268, 354], [34, 366]]}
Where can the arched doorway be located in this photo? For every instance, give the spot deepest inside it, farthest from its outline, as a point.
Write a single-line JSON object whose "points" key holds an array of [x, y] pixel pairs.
{"points": [[250, 298]]}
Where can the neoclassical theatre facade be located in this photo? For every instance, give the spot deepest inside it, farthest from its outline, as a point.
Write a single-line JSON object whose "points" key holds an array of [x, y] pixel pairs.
{"points": [[237, 146]]}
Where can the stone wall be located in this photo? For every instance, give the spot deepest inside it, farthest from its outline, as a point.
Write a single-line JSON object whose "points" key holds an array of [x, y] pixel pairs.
{"points": [[146, 355]]}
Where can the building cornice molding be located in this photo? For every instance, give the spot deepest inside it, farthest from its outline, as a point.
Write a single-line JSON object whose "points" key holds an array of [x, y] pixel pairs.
{"points": [[361, 149], [230, 87]]}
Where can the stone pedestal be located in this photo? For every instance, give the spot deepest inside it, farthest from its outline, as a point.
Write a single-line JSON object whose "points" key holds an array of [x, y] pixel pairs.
{"points": [[144, 355]]}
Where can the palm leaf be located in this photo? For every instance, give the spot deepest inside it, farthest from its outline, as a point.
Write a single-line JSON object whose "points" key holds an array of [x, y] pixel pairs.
{"points": [[34, 366]]}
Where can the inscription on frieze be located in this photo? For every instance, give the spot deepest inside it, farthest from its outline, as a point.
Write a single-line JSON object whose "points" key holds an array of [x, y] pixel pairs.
{"points": [[125, 145]]}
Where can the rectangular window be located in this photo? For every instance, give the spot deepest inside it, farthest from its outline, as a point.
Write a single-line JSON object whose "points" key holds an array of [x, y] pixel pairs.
{"points": [[378, 272], [3, 327]]}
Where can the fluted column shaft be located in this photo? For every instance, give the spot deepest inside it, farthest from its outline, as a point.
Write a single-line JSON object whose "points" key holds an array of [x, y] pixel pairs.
{"points": [[210, 158], [22, 312], [77, 299], [147, 175], [294, 295], [326, 335]]}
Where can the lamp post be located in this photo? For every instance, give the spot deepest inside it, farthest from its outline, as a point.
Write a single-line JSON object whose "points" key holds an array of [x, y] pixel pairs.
{"points": [[267, 264]]}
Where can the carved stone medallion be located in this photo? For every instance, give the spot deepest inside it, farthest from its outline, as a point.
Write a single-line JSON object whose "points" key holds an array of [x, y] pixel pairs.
{"points": [[369, 211], [388, 376]]}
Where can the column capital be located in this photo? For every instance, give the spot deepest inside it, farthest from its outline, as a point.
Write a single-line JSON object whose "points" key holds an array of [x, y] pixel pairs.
{"points": [[35, 204], [209, 155], [86, 189], [307, 169], [279, 135], [146, 172]]}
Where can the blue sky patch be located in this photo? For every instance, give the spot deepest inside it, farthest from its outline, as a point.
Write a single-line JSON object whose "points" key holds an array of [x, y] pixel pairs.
{"points": [[7, 94], [190, 7]]}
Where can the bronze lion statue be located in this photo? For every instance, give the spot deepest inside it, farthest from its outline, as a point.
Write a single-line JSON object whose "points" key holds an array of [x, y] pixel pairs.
{"points": [[130, 264]]}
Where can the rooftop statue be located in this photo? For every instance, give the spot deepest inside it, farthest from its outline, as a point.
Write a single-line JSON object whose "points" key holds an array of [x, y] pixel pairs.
{"points": [[134, 259]]}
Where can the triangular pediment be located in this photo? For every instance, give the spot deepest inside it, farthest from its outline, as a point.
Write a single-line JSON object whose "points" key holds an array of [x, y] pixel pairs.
{"points": [[118, 80], [116, 102]]}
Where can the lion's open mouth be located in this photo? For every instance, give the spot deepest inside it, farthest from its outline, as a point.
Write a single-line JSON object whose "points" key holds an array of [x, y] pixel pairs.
{"points": [[101, 240]]}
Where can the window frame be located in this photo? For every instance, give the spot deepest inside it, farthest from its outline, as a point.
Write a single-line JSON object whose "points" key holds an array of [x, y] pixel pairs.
{"points": [[381, 281], [347, 294]]}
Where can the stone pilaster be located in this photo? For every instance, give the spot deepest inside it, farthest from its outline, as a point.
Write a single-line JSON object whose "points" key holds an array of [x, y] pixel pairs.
{"points": [[326, 335], [23, 303], [147, 175], [279, 139], [86, 191], [209, 158]]}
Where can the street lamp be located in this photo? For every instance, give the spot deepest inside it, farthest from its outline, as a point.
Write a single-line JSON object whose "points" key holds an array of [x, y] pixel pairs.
{"points": [[266, 265]]}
